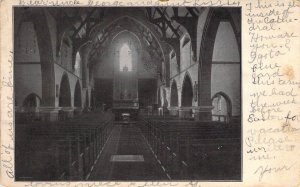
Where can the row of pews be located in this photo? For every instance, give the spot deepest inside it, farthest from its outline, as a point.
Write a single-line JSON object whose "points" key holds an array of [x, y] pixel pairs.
{"points": [[189, 150], [63, 150]]}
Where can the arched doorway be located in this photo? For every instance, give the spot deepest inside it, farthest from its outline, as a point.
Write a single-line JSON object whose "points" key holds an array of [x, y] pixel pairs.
{"points": [[221, 107], [174, 94], [64, 92], [77, 95], [187, 92]]}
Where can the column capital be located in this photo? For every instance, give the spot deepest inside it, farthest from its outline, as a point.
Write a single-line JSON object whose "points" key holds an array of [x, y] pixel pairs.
{"points": [[185, 108], [49, 109], [173, 110], [203, 108], [173, 107], [68, 109], [67, 112], [49, 113], [203, 113]]}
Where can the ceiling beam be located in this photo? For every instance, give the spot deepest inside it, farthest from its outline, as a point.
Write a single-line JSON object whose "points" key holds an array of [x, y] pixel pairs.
{"points": [[175, 10], [69, 19], [94, 20], [164, 11], [157, 20], [164, 29], [101, 13], [168, 22], [84, 22], [149, 13], [196, 10], [153, 13], [191, 11]]}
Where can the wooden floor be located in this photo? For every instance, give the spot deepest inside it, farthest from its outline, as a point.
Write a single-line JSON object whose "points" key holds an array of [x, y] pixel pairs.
{"points": [[127, 139]]}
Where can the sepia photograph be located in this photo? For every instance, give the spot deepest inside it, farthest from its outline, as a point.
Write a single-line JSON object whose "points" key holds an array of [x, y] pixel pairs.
{"points": [[127, 93]]}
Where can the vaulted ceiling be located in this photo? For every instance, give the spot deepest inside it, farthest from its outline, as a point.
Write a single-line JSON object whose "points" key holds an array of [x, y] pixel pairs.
{"points": [[158, 24], [80, 21]]}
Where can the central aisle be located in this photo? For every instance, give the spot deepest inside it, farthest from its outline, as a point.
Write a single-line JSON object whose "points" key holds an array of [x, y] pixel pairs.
{"points": [[126, 156]]}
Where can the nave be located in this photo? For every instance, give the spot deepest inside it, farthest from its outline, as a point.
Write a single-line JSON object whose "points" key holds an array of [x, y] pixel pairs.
{"points": [[127, 93], [94, 147], [137, 161]]}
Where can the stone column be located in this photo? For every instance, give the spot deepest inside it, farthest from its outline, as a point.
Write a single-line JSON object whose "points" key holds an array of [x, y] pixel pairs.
{"points": [[78, 110], [160, 111], [68, 112], [173, 111], [28, 113], [203, 113], [49, 113], [185, 112]]}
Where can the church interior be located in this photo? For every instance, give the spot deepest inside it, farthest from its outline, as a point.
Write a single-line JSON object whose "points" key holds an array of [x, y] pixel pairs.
{"points": [[127, 93]]}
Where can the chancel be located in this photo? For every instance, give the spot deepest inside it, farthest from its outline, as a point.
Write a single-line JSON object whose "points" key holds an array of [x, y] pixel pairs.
{"points": [[121, 93]]}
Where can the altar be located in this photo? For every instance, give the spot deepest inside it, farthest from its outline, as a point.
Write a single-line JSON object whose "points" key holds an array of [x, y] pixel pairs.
{"points": [[125, 98]]}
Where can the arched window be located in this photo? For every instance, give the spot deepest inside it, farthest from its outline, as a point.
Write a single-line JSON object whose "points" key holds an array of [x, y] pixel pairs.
{"points": [[125, 58], [77, 65], [221, 107]]}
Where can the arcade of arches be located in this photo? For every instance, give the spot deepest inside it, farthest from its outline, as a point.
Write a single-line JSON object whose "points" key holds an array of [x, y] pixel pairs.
{"points": [[116, 79]]}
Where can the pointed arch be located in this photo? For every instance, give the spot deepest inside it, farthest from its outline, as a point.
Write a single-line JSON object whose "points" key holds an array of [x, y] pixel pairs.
{"points": [[64, 92], [77, 95], [139, 23], [126, 45], [46, 56], [31, 101], [174, 94], [214, 17], [107, 30], [222, 110], [187, 91], [39, 20]]}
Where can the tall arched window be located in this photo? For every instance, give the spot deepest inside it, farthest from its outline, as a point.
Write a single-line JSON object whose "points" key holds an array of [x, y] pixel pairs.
{"points": [[125, 58], [77, 64], [221, 107]]}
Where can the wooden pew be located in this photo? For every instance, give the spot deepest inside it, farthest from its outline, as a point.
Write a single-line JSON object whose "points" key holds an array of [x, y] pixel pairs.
{"points": [[175, 141], [70, 147]]}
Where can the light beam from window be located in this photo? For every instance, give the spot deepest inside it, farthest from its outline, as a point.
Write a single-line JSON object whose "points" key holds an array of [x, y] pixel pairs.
{"points": [[125, 58]]}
